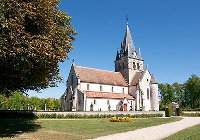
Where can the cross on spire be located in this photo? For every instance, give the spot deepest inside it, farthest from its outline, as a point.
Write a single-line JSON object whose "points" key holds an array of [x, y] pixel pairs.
{"points": [[127, 19]]}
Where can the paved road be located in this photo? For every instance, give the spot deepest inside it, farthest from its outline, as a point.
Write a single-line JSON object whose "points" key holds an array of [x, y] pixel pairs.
{"points": [[154, 132]]}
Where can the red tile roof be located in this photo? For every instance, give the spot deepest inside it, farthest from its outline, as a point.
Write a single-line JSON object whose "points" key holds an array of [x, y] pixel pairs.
{"points": [[91, 75], [136, 78], [110, 95]]}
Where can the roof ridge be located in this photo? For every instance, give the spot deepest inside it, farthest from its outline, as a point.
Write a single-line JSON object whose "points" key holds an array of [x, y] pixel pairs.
{"points": [[98, 69]]}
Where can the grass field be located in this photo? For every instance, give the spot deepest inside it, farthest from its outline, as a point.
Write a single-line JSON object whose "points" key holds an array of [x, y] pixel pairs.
{"points": [[192, 133], [71, 129]]}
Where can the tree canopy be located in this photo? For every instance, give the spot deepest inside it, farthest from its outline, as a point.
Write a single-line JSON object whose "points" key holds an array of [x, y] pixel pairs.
{"points": [[17, 101], [34, 37], [187, 95]]}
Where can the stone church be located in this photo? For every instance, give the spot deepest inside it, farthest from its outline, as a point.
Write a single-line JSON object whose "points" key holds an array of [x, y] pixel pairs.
{"points": [[129, 88]]}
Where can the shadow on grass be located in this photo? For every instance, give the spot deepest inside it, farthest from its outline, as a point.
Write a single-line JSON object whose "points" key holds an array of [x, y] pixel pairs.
{"points": [[11, 127], [17, 122]]}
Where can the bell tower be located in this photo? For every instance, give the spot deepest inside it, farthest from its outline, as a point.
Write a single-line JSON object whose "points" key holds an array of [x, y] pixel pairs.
{"points": [[128, 60]]}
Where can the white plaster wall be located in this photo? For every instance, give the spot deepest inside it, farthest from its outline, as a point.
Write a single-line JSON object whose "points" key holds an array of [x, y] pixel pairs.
{"points": [[101, 104], [154, 97], [105, 88], [144, 84]]}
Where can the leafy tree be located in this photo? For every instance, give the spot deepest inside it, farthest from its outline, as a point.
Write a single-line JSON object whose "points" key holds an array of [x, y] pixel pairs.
{"points": [[167, 94], [192, 91], [57, 105], [34, 103], [15, 101], [178, 93], [4, 103], [34, 37]]}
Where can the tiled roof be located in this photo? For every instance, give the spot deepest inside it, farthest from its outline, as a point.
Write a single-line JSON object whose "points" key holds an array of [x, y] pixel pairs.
{"points": [[110, 95], [136, 78], [153, 80], [91, 75]]}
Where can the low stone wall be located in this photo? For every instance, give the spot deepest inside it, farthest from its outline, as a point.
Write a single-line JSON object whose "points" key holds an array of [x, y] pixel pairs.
{"points": [[101, 112]]}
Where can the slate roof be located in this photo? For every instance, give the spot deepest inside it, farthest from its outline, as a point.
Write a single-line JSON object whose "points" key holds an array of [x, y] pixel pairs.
{"points": [[91, 75], [110, 95], [136, 78]]}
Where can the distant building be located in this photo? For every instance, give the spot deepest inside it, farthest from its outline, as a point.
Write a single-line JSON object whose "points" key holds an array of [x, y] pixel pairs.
{"points": [[130, 87]]}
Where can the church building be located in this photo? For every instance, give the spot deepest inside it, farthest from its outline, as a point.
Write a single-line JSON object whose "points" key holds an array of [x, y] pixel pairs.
{"points": [[129, 88]]}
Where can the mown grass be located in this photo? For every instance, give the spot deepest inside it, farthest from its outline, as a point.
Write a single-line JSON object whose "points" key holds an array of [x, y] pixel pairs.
{"points": [[191, 133], [78, 129]]}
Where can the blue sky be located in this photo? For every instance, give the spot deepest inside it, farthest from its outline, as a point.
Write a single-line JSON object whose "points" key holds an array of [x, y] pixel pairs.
{"points": [[168, 33]]}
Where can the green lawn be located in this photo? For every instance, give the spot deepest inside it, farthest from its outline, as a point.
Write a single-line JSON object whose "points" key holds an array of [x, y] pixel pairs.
{"points": [[71, 129], [192, 133]]}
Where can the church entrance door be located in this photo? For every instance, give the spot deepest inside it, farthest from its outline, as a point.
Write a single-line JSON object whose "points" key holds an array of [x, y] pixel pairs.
{"points": [[125, 107]]}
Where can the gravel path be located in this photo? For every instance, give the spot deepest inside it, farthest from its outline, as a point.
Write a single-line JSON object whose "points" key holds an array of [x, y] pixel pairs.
{"points": [[154, 132]]}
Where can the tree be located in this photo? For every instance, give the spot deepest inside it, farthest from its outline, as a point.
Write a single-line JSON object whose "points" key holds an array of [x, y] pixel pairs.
{"points": [[178, 91], [167, 94], [15, 101], [34, 103], [192, 91], [34, 37]]}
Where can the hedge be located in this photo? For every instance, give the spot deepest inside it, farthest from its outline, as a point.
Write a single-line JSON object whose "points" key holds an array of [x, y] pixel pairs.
{"points": [[29, 114], [79, 116], [191, 114], [168, 112]]}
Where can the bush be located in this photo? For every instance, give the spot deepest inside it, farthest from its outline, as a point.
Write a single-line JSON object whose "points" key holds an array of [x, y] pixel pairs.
{"points": [[168, 112], [84, 116], [191, 114], [120, 119], [178, 111]]}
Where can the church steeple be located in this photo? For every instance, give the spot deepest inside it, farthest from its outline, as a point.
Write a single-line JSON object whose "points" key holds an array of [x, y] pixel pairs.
{"points": [[128, 47], [128, 61]]}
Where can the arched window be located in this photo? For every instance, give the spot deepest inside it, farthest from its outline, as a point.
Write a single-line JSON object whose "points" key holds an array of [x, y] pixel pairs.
{"points": [[108, 102], [122, 90], [112, 89], [88, 87], [148, 93], [138, 66], [134, 66]]}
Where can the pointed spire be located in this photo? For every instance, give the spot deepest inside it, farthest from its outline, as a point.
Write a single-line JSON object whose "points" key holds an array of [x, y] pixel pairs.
{"points": [[139, 54], [128, 45], [117, 56], [73, 62]]}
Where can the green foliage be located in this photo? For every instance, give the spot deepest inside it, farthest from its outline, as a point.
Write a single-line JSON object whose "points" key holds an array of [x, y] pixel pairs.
{"points": [[191, 114], [178, 111], [79, 116], [168, 112], [187, 95], [34, 37], [192, 91], [18, 101]]}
